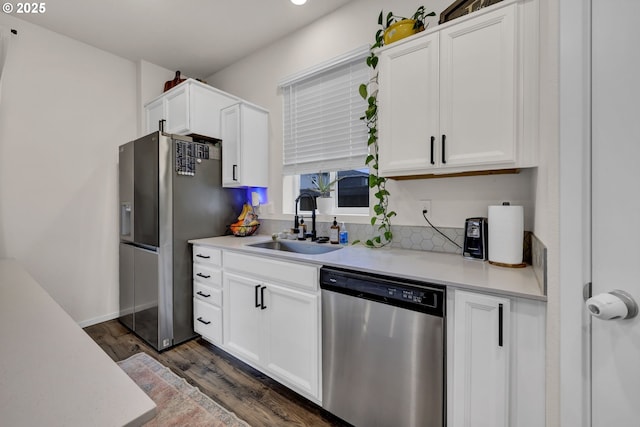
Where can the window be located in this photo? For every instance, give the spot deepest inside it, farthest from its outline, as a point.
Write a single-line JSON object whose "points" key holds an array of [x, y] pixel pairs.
{"points": [[353, 189], [323, 133], [350, 195]]}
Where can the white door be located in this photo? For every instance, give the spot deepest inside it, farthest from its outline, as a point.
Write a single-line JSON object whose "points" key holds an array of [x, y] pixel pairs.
{"points": [[242, 322], [480, 374], [177, 113], [408, 107], [478, 90], [230, 130], [615, 207], [292, 337]]}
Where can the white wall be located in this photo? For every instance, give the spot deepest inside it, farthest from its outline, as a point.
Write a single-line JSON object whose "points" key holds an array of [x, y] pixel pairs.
{"points": [[150, 84], [575, 213], [547, 197], [255, 78], [65, 108]]}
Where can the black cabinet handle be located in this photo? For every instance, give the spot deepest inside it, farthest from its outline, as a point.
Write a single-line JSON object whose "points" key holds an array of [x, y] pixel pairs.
{"points": [[202, 294], [203, 256], [433, 140], [206, 322], [500, 315], [235, 171], [256, 295], [262, 306], [444, 144], [204, 276]]}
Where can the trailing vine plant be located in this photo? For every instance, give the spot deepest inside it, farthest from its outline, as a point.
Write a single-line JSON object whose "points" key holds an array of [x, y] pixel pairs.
{"points": [[369, 92]]}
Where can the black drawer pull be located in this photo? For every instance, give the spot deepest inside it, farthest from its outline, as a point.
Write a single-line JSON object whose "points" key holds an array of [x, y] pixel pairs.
{"points": [[433, 140], [500, 328], [203, 294], [203, 256], [262, 306], [204, 276], [444, 145], [256, 295], [206, 322]]}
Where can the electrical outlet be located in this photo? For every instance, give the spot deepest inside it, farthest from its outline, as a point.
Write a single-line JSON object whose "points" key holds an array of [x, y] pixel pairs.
{"points": [[425, 205]]}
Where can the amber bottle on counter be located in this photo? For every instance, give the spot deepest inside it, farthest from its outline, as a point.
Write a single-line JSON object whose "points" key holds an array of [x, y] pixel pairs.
{"points": [[334, 232]]}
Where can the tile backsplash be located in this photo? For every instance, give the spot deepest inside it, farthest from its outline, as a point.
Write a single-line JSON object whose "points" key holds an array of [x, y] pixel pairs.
{"points": [[405, 237], [423, 239]]}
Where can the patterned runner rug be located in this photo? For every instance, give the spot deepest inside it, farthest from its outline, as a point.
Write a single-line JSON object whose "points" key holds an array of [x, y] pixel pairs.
{"points": [[178, 403]]}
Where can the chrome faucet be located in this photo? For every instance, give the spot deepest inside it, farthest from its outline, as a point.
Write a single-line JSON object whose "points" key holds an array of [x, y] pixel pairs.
{"points": [[296, 224]]}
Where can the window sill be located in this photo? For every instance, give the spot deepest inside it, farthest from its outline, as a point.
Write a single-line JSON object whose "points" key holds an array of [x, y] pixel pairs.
{"points": [[349, 218]]}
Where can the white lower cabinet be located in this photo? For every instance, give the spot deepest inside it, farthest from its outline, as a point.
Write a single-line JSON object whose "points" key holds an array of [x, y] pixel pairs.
{"points": [[291, 340], [495, 366], [271, 319], [207, 293], [208, 321], [480, 360], [242, 317]]}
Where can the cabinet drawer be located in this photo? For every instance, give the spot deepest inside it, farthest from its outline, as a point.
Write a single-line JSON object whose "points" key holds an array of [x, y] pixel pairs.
{"points": [[207, 275], [206, 254], [207, 294], [207, 321], [286, 272]]}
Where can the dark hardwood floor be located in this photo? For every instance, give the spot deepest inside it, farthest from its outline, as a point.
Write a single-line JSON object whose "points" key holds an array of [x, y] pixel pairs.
{"points": [[253, 396]]}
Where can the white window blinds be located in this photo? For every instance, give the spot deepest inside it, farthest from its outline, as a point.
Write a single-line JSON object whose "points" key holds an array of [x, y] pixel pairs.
{"points": [[322, 129]]}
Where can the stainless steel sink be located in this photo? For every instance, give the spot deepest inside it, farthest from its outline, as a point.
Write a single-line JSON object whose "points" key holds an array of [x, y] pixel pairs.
{"points": [[296, 247]]}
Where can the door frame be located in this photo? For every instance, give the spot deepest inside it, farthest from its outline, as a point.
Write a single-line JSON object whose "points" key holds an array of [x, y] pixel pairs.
{"points": [[575, 210]]}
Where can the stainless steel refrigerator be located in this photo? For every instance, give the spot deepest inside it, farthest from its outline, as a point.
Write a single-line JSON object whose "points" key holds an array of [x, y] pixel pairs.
{"points": [[170, 192]]}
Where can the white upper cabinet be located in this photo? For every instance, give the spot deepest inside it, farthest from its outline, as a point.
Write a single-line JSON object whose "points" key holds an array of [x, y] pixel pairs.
{"points": [[408, 103], [189, 108], [478, 99], [245, 146], [454, 99], [194, 108]]}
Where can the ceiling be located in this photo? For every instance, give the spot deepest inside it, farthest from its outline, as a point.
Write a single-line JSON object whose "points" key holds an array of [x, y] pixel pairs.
{"points": [[197, 37]]}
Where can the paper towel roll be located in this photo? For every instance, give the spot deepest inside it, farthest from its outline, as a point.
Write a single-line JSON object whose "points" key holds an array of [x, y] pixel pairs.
{"points": [[506, 234]]}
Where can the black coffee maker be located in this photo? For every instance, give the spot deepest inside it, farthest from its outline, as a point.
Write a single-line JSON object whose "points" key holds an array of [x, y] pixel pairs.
{"points": [[476, 235]]}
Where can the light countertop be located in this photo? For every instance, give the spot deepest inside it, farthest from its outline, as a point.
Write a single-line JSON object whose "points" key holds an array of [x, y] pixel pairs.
{"points": [[51, 372], [434, 267]]}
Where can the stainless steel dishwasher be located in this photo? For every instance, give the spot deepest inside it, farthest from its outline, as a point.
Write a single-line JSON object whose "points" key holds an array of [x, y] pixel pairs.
{"points": [[383, 358]]}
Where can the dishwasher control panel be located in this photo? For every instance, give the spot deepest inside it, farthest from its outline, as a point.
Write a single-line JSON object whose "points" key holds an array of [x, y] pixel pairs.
{"points": [[410, 294]]}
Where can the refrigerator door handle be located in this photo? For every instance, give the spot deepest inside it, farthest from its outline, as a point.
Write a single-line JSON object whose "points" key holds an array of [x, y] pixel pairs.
{"points": [[125, 219]]}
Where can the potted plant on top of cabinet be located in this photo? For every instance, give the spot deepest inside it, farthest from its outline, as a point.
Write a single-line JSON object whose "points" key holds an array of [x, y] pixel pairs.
{"points": [[396, 27]]}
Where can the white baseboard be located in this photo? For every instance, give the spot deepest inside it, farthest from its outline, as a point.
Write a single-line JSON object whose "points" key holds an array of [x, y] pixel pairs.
{"points": [[96, 320]]}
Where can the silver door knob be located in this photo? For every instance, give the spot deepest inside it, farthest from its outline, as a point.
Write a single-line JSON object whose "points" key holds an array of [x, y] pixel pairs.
{"points": [[615, 304]]}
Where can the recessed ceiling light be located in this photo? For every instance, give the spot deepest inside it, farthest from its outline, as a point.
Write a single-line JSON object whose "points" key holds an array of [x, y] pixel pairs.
{"points": [[298, 2]]}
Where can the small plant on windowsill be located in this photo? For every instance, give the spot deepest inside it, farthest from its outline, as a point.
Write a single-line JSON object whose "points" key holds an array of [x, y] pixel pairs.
{"points": [[323, 185], [369, 91]]}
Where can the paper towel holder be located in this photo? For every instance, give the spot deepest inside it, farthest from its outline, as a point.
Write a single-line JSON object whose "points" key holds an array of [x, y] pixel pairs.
{"points": [[612, 305], [503, 264]]}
